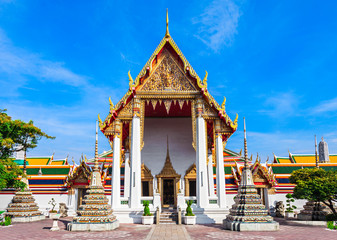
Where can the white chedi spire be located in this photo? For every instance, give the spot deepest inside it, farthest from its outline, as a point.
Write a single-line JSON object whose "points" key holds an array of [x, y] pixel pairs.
{"points": [[323, 151], [247, 178]]}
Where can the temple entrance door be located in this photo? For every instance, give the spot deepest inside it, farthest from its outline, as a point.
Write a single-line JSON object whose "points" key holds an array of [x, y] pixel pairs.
{"points": [[262, 194], [168, 192], [80, 197]]}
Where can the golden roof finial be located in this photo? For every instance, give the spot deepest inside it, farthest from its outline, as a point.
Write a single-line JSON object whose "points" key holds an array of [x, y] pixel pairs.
{"points": [[167, 35]]}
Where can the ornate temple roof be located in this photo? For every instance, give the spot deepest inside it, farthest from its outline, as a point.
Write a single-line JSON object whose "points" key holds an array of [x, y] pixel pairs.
{"points": [[302, 158], [192, 85]]}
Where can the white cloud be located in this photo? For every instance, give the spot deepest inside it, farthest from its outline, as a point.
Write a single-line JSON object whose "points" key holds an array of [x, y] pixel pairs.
{"points": [[218, 24], [281, 104], [17, 64], [326, 106]]}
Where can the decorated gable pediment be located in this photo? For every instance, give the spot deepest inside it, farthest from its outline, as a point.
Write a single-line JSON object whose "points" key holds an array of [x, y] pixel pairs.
{"points": [[80, 175], [191, 172], [261, 175], [167, 76], [146, 173]]}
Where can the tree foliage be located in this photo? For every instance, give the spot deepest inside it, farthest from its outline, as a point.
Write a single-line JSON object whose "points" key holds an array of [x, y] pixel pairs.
{"points": [[315, 184], [15, 135]]}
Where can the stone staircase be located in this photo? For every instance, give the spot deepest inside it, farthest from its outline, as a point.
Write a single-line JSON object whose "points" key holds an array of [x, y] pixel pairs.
{"points": [[168, 216]]}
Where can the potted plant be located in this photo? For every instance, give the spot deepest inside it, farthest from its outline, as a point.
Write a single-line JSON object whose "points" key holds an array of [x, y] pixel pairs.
{"points": [[53, 213], [331, 221], [189, 218], [289, 213], [7, 222], [147, 218]]}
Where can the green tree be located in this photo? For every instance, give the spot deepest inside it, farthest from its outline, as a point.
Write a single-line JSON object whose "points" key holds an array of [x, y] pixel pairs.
{"points": [[315, 184], [15, 135]]}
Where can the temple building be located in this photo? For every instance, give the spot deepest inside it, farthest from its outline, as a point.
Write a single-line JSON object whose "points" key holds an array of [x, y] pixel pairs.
{"points": [[168, 140]]}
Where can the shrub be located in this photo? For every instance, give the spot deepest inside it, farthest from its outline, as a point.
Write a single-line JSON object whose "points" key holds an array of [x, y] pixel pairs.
{"points": [[146, 208], [290, 199], [189, 209], [331, 217], [53, 203], [330, 225]]}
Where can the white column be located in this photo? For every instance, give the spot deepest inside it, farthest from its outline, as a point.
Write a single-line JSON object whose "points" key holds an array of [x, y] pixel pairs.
{"points": [[220, 173], [135, 157], [116, 174], [210, 176], [127, 176], [201, 155]]}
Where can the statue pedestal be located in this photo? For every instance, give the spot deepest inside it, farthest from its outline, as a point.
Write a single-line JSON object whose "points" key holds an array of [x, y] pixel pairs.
{"points": [[93, 227], [251, 226], [55, 226]]}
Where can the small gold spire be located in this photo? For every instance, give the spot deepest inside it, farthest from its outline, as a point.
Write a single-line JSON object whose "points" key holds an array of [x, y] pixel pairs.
{"points": [[167, 35], [96, 149], [245, 143]]}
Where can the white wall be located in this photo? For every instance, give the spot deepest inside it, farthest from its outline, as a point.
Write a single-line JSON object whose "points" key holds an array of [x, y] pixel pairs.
{"points": [[179, 132]]}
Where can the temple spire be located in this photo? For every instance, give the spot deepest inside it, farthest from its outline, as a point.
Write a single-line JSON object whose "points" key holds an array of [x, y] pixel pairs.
{"points": [[96, 149], [316, 157], [167, 35], [168, 151], [245, 143]]}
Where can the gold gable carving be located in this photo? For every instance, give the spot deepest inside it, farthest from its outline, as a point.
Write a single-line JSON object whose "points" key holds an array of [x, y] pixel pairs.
{"points": [[126, 112], [191, 172], [146, 173], [81, 179], [208, 111], [168, 76]]}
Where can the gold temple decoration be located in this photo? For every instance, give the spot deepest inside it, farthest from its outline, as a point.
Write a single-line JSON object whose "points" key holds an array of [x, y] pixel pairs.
{"points": [[168, 172], [131, 83], [190, 175], [168, 76], [167, 34], [111, 104], [146, 176]]}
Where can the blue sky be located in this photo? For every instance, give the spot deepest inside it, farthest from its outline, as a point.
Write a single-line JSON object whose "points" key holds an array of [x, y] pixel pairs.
{"points": [[275, 61]]}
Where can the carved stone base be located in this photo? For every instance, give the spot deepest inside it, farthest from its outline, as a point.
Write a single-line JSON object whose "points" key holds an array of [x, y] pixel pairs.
{"points": [[251, 226], [28, 219], [313, 211], [94, 227]]}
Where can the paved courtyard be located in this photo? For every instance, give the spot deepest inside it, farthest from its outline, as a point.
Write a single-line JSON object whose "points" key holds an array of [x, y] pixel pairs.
{"points": [[40, 230]]}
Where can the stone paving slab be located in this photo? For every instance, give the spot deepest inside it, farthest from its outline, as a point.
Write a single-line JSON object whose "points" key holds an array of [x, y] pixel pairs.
{"points": [[41, 230], [168, 232], [287, 230]]}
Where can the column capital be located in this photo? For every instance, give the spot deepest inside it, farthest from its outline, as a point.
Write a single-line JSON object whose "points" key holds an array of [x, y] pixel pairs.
{"points": [[199, 107], [117, 126], [136, 107]]}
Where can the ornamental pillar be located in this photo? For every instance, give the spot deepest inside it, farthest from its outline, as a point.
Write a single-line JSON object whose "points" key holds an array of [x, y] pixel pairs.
{"points": [[116, 171], [135, 158], [210, 176], [220, 169], [127, 175], [201, 157]]}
